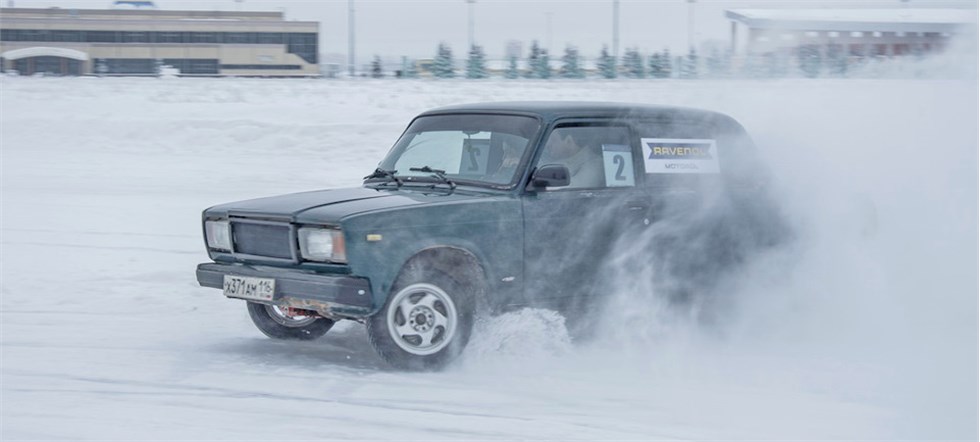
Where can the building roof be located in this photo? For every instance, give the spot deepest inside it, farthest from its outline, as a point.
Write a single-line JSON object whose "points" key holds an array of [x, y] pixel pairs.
{"points": [[884, 20], [144, 19], [138, 13]]}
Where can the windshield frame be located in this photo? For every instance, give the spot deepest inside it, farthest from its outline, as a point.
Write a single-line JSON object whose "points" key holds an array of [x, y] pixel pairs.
{"points": [[519, 173]]}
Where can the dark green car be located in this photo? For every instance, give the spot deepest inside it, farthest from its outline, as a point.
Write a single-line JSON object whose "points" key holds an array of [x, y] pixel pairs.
{"points": [[480, 208]]}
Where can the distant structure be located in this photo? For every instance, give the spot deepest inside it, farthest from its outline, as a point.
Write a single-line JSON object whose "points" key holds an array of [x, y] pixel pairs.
{"points": [[139, 40], [853, 33], [121, 4]]}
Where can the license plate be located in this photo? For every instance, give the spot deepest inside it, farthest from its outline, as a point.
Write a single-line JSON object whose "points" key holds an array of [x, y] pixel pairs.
{"points": [[259, 289]]}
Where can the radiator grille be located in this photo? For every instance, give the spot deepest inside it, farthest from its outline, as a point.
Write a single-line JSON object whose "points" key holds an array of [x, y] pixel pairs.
{"points": [[270, 240]]}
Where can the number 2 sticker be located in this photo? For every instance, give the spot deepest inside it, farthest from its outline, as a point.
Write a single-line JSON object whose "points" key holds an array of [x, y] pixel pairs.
{"points": [[474, 159], [618, 163]]}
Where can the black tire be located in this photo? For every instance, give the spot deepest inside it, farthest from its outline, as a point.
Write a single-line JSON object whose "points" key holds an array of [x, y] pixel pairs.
{"points": [[412, 340], [278, 326]]}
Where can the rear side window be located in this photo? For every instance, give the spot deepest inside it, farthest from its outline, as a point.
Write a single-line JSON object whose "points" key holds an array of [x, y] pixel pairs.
{"points": [[596, 156]]}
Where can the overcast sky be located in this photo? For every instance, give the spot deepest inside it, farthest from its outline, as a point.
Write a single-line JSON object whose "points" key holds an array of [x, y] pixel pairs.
{"points": [[393, 28]]}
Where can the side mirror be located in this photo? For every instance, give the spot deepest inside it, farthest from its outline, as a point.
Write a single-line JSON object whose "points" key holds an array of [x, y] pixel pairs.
{"points": [[550, 175]]}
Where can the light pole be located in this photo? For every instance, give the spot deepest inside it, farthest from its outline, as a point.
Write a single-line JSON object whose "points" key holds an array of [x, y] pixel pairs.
{"points": [[350, 37], [472, 41], [690, 24], [548, 29], [615, 48]]}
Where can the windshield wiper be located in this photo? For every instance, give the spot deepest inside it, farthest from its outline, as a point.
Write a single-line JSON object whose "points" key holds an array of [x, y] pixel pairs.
{"points": [[441, 174], [390, 174]]}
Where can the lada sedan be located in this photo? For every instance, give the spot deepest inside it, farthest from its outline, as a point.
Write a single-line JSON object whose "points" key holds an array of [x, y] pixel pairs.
{"points": [[476, 209]]}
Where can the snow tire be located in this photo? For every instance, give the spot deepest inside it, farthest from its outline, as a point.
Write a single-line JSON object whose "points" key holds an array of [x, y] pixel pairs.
{"points": [[271, 322], [425, 323]]}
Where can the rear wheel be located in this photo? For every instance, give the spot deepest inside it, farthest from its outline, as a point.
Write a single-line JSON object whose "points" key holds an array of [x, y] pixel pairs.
{"points": [[277, 324], [425, 323]]}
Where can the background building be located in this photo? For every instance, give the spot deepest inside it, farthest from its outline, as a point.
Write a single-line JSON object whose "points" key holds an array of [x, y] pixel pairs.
{"points": [[854, 33], [140, 41]]}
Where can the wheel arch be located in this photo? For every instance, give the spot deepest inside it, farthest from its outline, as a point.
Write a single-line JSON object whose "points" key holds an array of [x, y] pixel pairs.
{"points": [[463, 266]]}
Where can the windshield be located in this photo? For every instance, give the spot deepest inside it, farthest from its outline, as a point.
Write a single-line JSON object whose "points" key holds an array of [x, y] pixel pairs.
{"points": [[472, 149]]}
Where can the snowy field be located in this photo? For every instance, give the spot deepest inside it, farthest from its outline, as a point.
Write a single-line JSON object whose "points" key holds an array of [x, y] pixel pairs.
{"points": [[859, 330]]}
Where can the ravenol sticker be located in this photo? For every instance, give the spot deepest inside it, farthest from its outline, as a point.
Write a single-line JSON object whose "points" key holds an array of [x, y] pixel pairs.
{"points": [[678, 155]]}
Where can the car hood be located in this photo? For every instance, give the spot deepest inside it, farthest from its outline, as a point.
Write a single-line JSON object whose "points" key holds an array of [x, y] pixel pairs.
{"points": [[329, 206]]}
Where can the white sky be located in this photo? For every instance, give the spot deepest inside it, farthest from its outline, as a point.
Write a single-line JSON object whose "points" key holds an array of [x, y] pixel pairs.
{"points": [[392, 28]]}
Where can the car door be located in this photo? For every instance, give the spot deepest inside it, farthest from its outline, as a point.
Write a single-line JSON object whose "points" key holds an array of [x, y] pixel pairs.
{"points": [[570, 230], [698, 225]]}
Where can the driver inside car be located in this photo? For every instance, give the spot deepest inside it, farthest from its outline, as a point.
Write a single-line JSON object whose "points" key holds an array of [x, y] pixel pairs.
{"points": [[572, 147]]}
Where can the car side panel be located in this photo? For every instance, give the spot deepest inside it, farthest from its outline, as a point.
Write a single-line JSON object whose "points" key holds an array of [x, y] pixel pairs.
{"points": [[491, 228]]}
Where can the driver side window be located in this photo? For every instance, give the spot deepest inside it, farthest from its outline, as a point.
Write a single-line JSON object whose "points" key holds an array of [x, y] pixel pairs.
{"points": [[583, 150]]}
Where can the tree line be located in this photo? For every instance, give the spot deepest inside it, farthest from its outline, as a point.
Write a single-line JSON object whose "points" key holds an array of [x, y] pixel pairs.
{"points": [[806, 61]]}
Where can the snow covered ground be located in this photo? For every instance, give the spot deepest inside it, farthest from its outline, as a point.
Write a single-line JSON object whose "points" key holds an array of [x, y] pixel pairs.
{"points": [[851, 333]]}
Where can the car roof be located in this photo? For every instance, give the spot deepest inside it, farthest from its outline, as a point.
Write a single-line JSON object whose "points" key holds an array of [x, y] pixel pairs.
{"points": [[551, 110]]}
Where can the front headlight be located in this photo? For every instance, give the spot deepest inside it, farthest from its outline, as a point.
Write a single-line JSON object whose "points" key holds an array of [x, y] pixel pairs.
{"points": [[322, 244], [218, 234]]}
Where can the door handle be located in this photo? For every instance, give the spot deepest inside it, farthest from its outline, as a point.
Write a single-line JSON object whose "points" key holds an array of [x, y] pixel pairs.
{"points": [[637, 205]]}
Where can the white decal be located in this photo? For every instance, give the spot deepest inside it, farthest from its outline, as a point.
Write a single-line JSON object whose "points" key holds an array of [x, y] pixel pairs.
{"points": [[473, 162], [617, 160], [679, 155]]}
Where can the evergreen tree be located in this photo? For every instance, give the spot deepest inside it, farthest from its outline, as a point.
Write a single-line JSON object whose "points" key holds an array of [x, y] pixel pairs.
{"points": [[660, 64], [627, 62], [542, 70], [654, 66], [570, 66], [442, 66], [633, 64], [376, 71], [606, 64], [476, 67], [512, 71], [532, 59], [668, 63], [689, 66], [538, 63], [712, 64]]}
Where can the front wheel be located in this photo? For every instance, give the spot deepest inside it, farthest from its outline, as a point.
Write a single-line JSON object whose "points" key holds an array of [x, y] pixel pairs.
{"points": [[276, 324], [424, 325]]}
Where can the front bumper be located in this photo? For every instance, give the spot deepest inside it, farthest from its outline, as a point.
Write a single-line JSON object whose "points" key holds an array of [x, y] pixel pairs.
{"points": [[330, 295]]}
